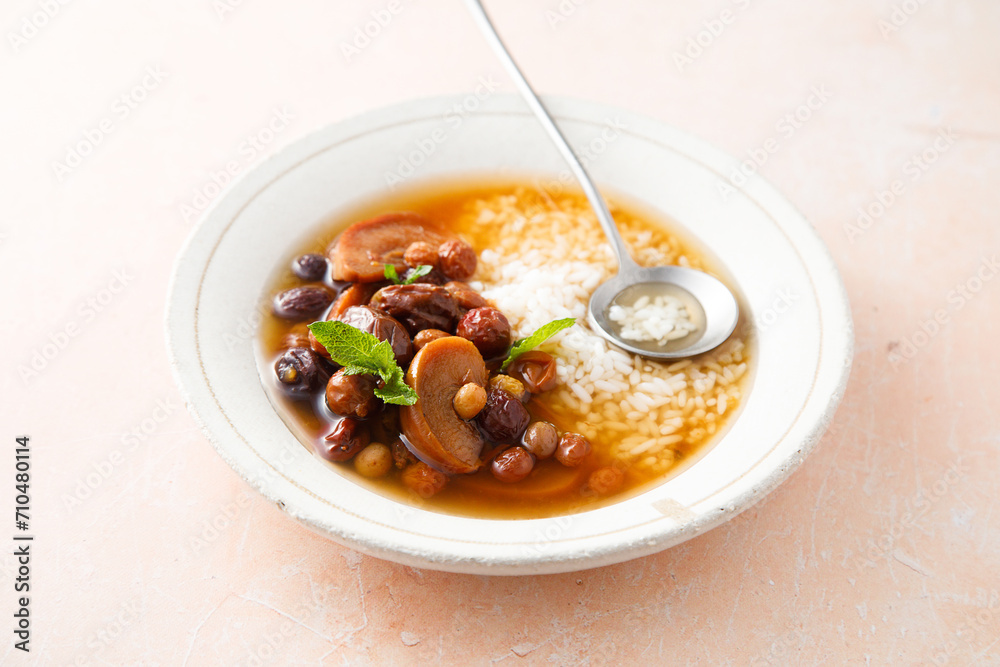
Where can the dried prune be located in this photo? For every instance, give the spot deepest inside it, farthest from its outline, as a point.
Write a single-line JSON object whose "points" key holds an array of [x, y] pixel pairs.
{"points": [[311, 267], [418, 306], [383, 327], [302, 303], [504, 418], [300, 371]]}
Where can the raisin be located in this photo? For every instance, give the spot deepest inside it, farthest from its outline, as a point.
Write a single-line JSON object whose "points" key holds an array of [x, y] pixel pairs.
{"points": [[346, 439]]}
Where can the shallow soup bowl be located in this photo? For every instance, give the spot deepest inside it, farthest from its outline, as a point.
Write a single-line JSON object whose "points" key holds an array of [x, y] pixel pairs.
{"points": [[792, 296]]}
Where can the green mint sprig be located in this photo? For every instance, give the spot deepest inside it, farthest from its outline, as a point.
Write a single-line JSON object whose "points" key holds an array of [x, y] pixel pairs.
{"points": [[360, 353], [534, 340], [390, 274]]}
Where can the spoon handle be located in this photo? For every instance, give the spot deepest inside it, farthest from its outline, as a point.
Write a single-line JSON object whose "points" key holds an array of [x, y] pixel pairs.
{"points": [[596, 200]]}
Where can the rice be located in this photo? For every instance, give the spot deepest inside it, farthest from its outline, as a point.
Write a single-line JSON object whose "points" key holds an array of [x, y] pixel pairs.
{"points": [[658, 319], [542, 260]]}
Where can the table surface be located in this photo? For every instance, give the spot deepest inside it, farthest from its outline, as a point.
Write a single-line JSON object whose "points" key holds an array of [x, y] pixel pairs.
{"points": [[879, 120]]}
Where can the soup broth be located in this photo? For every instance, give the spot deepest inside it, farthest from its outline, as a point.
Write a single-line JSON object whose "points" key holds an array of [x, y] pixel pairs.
{"points": [[540, 255]]}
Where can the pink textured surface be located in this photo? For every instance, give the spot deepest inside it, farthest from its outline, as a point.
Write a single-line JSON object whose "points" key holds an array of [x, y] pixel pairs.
{"points": [[881, 549]]}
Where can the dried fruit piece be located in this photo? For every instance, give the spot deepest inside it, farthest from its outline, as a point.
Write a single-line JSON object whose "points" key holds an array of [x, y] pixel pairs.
{"points": [[512, 465], [311, 267], [352, 395], [541, 439], [423, 480], [363, 250], [300, 371], [418, 306], [433, 431], [487, 328], [457, 259], [607, 480], [572, 450], [504, 418], [536, 370], [421, 253], [346, 439], [302, 303]]}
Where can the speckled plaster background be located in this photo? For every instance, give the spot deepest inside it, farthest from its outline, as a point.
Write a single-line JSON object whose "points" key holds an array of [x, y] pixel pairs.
{"points": [[879, 120]]}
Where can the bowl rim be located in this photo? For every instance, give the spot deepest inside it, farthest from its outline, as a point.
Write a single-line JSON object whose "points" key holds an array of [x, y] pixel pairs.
{"points": [[836, 350]]}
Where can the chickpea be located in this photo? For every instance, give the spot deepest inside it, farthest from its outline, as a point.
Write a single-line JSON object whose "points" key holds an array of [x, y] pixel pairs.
{"points": [[457, 259], [607, 480], [512, 465], [420, 253], [511, 385], [374, 460], [423, 480], [426, 336], [541, 440], [572, 450], [470, 400]]}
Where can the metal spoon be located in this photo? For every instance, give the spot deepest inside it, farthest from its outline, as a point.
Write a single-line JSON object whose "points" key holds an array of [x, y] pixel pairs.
{"points": [[711, 307]]}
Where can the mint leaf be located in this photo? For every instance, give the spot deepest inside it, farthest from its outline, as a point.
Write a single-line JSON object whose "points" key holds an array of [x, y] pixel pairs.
{"points": [[396, 390], [534, 340], [389, 271], [362, 353], [418, 272]]}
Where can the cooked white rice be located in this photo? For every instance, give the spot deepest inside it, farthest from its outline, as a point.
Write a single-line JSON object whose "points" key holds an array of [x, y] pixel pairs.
{"points": [[542, 261], [659, 319]]}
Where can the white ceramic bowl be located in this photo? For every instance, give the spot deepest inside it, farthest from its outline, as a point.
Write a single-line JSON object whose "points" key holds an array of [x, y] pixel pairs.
{"points": [[791, 286]]}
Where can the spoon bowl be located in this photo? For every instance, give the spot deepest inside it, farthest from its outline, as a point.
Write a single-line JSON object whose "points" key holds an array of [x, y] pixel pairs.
{"points": [[708, 302], [700, 293]]}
